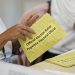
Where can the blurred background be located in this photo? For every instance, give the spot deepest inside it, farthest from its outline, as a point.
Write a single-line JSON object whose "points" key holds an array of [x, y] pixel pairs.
{"points": [[12, 10]]}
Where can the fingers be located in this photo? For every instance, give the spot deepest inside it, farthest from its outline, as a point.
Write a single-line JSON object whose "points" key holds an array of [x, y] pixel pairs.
{"points": [[26, 28], [27, 19], [21, 36], [30, 30], [25, 33], [31, 20]]}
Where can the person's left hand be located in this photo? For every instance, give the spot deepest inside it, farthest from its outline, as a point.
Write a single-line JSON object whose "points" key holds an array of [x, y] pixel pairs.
{"points": [[29, 17], [30, 20]]}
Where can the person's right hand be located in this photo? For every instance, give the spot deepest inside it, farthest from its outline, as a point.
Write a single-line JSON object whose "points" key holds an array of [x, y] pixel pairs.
{"points": [[18, 31]]}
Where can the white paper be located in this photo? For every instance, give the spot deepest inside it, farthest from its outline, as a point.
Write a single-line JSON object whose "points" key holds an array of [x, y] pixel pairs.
{"points": [[12, 69]]}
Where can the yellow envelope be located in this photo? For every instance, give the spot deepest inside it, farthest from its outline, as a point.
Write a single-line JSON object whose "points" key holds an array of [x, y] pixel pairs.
{"points": [[48, 33], [66, 60]]}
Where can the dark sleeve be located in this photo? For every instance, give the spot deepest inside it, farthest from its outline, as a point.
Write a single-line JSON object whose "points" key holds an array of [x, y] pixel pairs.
{"points": [[49, 7], [16, 46]]}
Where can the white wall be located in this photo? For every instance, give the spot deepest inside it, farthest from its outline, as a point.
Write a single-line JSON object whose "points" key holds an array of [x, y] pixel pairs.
{"points": [[32, 3], [10, 11]]}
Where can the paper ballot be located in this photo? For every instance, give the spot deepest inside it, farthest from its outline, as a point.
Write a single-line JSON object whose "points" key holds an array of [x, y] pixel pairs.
{"points": [[48, 33], [65, 60]]}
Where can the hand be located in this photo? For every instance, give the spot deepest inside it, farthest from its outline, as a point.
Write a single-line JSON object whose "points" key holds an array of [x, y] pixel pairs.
{"points": [[29, 21], [32, 15], [18, 31]]}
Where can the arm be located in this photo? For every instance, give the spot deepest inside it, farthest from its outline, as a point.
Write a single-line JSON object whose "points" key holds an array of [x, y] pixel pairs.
{"points": [[3, 40], [17, 31]]}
